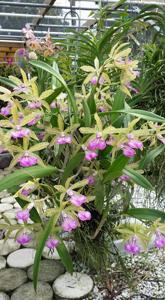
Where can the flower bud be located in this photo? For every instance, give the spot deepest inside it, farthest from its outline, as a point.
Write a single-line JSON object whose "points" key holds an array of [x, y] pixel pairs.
{"points": [[23, 239], [84, 215]]}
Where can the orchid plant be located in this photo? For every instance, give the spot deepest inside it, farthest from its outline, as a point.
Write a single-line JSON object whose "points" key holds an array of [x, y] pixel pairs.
{"points": [[87, 147]]}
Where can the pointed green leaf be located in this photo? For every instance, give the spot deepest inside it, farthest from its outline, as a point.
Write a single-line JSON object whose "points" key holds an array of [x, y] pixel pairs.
{"points": [[149, 214], [55, 81], [138, 178], [150, 156], [118, 104], [43, 237], [57, 75], [25, 174], [72, 164], [87, 114], [91, 101], [146, 115], [38, 147], [54, 95], [65, 256], [115, 170], [7, 82]]}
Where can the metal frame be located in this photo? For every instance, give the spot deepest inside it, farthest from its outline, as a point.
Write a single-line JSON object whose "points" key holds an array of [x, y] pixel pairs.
{"points": [[66, 26]]}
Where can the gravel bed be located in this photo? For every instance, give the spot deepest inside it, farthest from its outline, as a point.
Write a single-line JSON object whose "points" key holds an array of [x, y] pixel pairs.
{"points": [[148, 279]]}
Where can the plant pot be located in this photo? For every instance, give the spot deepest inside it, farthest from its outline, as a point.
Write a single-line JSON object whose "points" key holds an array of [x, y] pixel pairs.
{"points": [[5, 159]]}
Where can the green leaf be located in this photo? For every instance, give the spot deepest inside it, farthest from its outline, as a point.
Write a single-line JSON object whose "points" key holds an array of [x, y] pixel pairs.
{"points": [[91, 101], [149, 214], [146, 115], [41, 244], [72, 164], [49, 69], [53, 96], [55, 81], [34, 216], [7, 82], [25, 174], [87, 114], [65, 257], [115, 170], [150, 156], [137, 178], [117, 105], [99, 193]]}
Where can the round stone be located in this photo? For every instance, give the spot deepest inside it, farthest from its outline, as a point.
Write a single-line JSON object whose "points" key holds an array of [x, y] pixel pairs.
{"points": [[21, 258], [8, 200], [4, 194], [75, 286], [26, 291], [13, 234], [49, 270], [11, 278], [5, 206], [16, 205], [4, 296], [10, 214], [8, 246], [2, 262]]}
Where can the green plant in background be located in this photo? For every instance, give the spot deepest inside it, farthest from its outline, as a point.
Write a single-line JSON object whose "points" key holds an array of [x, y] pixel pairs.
{"points": [[98, 42], [145, 31], [95, 155]]}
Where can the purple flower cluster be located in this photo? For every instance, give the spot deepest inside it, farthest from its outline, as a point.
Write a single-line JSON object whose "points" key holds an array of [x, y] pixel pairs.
{"points": [[96, 144], [52, 243], [76, 199], [159, 240], [6, 111], [23, 239], [35, 105], [124, 178], [26, 192], [35, 120], [95, 80], [89, 155], [28, 160], [91, 180], [129, 148], [132, 246], [22, 88], [129, 86], [28, 32], [69, 224], [63, 139], [23, 215], [84, 215], [20, 133]]}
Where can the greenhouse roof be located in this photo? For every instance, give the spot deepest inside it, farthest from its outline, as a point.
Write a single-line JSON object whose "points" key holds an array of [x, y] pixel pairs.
{"points": [[61, 17]]}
